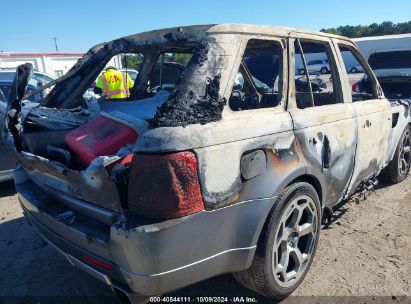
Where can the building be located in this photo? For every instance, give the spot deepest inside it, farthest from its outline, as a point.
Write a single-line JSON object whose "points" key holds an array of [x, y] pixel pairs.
{"points": [[53, 64]]}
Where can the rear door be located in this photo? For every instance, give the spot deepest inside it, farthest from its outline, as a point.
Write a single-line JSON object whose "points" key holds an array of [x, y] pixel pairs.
{"points": [[373, 116], [324, 123]]}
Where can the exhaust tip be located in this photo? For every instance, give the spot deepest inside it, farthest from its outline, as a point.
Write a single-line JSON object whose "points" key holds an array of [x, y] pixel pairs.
{"points": [[129, 297]]}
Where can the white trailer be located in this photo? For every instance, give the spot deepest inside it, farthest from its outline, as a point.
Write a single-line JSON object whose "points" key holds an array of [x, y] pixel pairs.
{"points": [[390, 58], [371, 45]]}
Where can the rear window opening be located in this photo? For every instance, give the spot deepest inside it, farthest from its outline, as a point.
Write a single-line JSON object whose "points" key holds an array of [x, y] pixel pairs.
{"points": [[84, 147], [258, 82], [167, 71], [110, 118]]}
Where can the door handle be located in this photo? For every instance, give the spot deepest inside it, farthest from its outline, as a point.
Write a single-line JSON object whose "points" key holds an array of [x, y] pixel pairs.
{"points": [[368, 124], [326, 153]]}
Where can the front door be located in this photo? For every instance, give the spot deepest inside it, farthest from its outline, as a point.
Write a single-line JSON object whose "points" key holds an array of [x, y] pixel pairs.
{"points": [[373, 115]]}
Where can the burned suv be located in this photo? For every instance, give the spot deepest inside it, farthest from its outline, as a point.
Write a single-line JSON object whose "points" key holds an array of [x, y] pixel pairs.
{"points": [[225, 165]]}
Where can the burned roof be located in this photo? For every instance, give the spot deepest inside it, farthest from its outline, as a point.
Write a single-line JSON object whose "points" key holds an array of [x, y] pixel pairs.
{"points": [[228, 28]]}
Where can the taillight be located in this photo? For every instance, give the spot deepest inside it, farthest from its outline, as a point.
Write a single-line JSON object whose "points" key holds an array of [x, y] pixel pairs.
{"points": [[164, 185], [356, 87]]}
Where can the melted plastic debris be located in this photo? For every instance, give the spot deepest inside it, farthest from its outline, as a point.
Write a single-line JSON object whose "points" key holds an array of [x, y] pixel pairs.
{"points": [[178, 36], [191, 103], [185, 107], [101, 161], [55, 119], [201, 55], [92, 175]]}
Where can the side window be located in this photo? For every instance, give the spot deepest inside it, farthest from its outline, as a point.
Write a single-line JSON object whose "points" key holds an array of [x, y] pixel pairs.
{"points": [[360, 81], [315, 86], [259, 79], [167, 71]]}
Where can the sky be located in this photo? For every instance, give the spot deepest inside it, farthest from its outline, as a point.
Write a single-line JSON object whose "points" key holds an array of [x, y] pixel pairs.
{"points": [[29, 26]]}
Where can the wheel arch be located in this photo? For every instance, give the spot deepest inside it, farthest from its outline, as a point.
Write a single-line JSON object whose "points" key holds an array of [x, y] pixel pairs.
{"points": [[309, 179], [313, 181]]}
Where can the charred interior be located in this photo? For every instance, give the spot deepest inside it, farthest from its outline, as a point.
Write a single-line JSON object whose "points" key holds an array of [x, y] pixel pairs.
{"points": [[89, 141]]}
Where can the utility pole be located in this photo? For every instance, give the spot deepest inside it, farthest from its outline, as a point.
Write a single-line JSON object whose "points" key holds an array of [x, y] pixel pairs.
{"points": [[55, 43]]}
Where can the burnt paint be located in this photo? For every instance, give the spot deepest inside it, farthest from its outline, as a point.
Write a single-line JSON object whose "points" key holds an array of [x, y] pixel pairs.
{"points": [[283, 166], [59, 178], [68, 91], [187, 105], [328, 146], [253, 164]]}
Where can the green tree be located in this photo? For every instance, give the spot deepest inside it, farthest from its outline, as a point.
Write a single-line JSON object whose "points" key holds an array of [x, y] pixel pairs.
{"points": [[132, 61], [384, 28]]}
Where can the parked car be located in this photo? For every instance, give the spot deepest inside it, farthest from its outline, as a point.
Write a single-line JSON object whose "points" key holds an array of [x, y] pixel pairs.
{"points": [[8, 75], [315, 66], [356, 69], [224, 173]]}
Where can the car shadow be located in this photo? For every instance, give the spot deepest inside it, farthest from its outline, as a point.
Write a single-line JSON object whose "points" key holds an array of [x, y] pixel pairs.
{"points": [[7, 188], [341, 208], [25, 254], [39, 274], [223, 286]]}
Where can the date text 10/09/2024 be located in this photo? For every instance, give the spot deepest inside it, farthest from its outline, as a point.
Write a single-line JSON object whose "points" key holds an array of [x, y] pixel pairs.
{"points": [[239, 299]]}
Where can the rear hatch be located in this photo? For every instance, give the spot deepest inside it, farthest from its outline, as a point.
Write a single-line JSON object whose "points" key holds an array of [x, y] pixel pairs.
{"points": [[67, 179], [38, 139]]}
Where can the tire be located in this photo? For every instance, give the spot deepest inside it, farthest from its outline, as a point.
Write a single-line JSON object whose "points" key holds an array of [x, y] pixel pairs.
{"points": [[297, 206], [324, 70], [354, 70], [399, 168], [301, 72]]}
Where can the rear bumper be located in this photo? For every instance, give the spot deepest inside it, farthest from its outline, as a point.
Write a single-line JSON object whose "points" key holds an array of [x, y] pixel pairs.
{"points": [[150, 258]]}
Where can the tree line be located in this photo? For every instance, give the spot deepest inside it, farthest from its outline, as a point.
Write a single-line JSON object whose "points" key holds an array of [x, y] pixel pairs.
{"points": [[375, 29]]}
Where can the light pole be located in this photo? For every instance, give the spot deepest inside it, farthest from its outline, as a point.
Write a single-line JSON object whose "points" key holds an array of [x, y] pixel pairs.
{"points": [[55, 43]]}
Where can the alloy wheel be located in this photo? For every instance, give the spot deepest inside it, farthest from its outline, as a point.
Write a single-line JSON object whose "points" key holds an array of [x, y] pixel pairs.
{"points": [[295, 240], [405, 154]]}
